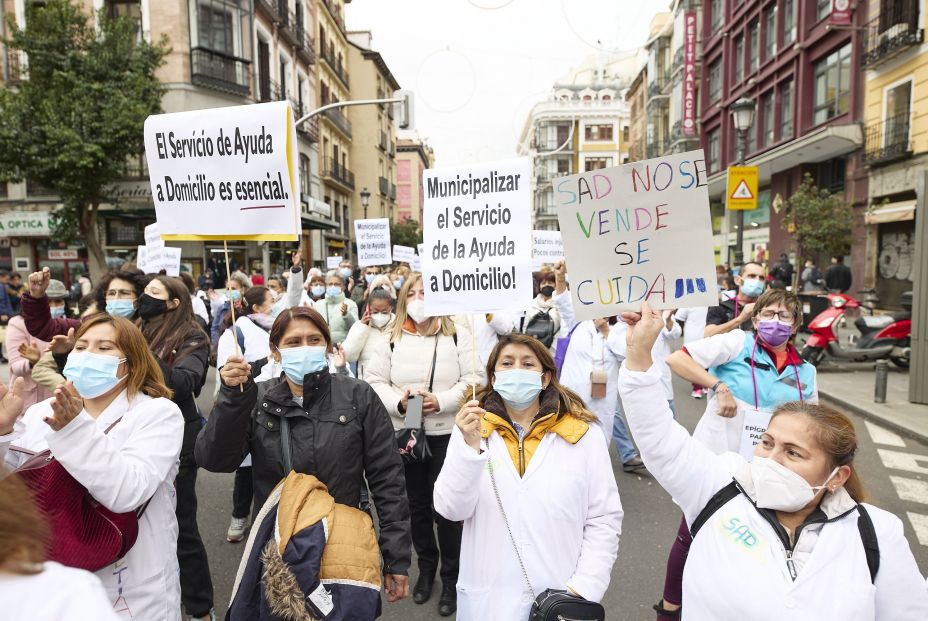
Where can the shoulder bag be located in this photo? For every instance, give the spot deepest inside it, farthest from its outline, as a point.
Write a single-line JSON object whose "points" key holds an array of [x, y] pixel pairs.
{"points": [[413, 444], [551, 604]]}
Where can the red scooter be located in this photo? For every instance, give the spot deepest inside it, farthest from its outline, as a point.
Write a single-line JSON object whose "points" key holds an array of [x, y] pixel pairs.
{"points": [[881, 336]]}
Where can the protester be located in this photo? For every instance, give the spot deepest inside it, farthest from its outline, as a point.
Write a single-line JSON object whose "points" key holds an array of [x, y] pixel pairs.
{"points": [[358, 292], [197, 304], [736, 313], [316, 289], [784, 535], [542, 319], [236, 285], [434, 358], [340, 313], [561, 524], [811, 278], [257, 278], [15, 289], [6, 307], [117, 386], [838, 277], [368, 336], [206, 281], [781, 276], [397, 278], [338, 431]]}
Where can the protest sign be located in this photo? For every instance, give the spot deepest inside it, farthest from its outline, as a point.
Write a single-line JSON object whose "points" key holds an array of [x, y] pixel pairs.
{"points": [[638, 232], [478, 238], [403, 254], [416, 264], [170, 261], [332, 263], [141, 259], [755, 424], [547, 247], [153, 236], [373, 240], [225, 173]]}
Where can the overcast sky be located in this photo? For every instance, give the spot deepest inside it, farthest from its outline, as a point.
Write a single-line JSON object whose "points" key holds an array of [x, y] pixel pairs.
{"points": [[476, 72]]}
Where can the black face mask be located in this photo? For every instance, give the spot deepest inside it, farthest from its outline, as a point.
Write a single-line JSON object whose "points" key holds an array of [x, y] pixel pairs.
{"points": [[547, 291], [150, 307]]}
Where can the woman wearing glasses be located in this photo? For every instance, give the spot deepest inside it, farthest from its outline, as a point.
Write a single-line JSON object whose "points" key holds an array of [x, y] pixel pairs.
{"points": [[749, 374]]}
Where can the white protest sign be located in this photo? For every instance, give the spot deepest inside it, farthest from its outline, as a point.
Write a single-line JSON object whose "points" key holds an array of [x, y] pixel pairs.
{"points": [[416, 264], [547, 247], [478, 238], [755, 424], [403, 254], [153, 236], [332, 263], [225, 173], [637, 232], [170, 261], [373, 240], [141, 259]]}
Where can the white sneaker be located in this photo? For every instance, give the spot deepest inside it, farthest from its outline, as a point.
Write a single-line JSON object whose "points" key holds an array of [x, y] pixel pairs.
{"points": [[236, 530]]}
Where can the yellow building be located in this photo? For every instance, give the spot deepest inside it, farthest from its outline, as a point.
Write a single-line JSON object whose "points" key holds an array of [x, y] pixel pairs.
{"points": [[896, 63]]}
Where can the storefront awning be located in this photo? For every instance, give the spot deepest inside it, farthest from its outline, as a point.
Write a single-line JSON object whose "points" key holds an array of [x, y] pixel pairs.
{"points": [[891, 212], [313, 223]]}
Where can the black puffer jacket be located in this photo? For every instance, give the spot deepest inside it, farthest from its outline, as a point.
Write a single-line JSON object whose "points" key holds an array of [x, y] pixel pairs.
{"points": [[342, 435]]}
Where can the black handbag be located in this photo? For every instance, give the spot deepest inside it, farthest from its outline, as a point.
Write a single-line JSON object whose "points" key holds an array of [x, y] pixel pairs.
{"points": [[552, 604], [413, 444]]}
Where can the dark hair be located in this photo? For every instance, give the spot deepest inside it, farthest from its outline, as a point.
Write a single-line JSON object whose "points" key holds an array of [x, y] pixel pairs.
{"points": [[133, 276], [15, 275], [188, 281], [175, 333], [84, 303], [298, 313], [746, 263], [253, 296], [380, 293], [4, 273], [838, 257]]}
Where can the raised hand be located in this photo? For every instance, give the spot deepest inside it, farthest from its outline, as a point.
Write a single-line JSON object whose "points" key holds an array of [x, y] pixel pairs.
{"points": [[643, 329], [30, 352], [38, 282], [235, 372], [66, 406], [340, 358], [468, 421], [297, 259], [344, 308], [61, 344], [11, 405]]}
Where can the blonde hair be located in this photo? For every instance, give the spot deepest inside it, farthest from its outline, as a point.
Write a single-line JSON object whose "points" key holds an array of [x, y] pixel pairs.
{"points": [[446, 323]]}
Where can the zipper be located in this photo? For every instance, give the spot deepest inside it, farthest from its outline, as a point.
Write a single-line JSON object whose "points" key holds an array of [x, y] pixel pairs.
{"points": [[791, 565], [788, 545], [521, 457]]}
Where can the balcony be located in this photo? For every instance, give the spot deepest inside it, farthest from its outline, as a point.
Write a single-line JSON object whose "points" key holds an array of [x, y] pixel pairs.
{"points": [[384, 186], [333, 171], [658, 84], [392, 191], [657, 148], [893, 31], [287, 25], [305, 47], [335, 13], [888, 141], [382, 145], [328, 55], [338, 119], [219, 71], [308, 129], [268, 7]]}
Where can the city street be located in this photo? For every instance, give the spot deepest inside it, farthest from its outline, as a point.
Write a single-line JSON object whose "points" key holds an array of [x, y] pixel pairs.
{"points": [[894, 469]]}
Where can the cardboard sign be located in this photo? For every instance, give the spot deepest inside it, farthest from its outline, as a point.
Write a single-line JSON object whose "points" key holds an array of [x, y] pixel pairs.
{"points": [[742, 188], [638, 232], [404, 254], [373, 240], [547, 247], [225, 173], [478, 238], [332, 263], [755, 424]]}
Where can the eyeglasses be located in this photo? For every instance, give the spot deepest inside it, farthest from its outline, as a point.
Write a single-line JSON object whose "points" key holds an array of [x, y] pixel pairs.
{"points": [[784, 316]]}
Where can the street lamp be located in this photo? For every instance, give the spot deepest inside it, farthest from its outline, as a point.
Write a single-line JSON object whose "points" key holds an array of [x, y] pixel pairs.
{"points": [[742, 116], [365, 200]]}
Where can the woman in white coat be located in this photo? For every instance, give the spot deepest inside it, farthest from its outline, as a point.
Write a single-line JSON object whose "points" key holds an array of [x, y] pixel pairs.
{"points": [[370, 336], [532, 440], [115, 380], [785, 536]]}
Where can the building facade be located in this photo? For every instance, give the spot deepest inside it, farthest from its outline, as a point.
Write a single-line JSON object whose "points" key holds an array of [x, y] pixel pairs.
{"points": [[896, 141], [413, 158]]}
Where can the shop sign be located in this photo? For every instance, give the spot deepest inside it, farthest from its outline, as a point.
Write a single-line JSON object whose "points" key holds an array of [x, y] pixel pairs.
{"points": [[25, 224], [62, 255]]}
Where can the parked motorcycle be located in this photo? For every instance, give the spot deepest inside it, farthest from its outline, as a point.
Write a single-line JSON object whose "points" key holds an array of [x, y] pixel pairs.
{"points": [[881, 336]]}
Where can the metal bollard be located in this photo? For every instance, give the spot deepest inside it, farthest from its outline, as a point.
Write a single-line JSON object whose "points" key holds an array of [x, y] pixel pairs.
{"points": [[882, 376]]}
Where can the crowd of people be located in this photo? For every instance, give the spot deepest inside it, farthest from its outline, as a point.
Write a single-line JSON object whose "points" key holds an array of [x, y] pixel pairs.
{"points": [[481, 442]]}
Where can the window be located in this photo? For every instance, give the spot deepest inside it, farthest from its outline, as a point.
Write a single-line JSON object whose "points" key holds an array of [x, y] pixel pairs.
{"points": [[131, 9], [625, 133], [768, 120], [786, 110], [832, 85], [789, 22], [739, 59], [770, 32], [304, 175], [715, 81], [596, 163], [216, 26], [830, 175], [563, 166], [597, 132], [3, 190], [753, 44], [823, 9], [715, 152], [717, 9], [897, 115]]}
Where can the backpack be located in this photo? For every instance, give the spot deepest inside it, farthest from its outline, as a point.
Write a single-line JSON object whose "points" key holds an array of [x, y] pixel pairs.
{"points": [[864, 524], [541, 326], [560, 353]]}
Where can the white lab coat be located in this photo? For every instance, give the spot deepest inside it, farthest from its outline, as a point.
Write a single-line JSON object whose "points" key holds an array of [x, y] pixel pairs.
{"points": [[694, 322], [663, 347], [57, 593], [737, 565], [364, 341], [257, 342], [565, 514], [136, 461], [199, 308]]}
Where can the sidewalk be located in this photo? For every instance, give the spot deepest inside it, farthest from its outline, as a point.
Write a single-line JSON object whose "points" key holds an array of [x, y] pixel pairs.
{"points": [[851, 387]]}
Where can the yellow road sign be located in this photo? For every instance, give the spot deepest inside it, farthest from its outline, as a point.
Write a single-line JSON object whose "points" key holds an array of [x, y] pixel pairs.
{"points": [[742, 188]]}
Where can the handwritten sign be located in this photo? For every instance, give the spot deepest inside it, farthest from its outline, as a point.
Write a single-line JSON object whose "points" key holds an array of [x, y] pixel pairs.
{"points": [[547, 247], [225, 173], [373, 239], [637, 232], [403, 254], [478, 240]]}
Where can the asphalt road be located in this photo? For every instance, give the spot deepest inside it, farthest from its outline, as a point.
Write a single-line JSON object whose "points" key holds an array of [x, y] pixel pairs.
{"points": [[894, 469]]}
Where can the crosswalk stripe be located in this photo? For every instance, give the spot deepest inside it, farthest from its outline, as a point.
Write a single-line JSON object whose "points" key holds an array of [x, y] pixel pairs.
{"points": [[912, 490], [920, 526], [903, 461], [884, 436]]}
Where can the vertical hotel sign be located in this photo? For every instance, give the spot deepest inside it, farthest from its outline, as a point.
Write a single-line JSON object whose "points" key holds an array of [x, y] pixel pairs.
{"points": [[689, 73]]}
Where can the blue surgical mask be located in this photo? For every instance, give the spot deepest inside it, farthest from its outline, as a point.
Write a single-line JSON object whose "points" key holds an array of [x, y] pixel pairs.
{"points": [[345, 273], [121, 308], [752, 287], [369, 278], [299, 362], [333, 292], [57, 311], [518, 388], [235, 295], [398, 283], [317, 290], [92, 374]]}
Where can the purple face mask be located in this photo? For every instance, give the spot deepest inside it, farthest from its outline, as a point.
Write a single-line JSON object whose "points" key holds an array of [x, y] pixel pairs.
{"points": [[773, 332]]}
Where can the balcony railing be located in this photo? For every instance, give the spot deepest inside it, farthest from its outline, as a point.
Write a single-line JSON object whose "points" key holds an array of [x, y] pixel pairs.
{"points": [[657, 148], [268, 90], [268, 7], [328, 55], [334, 170], [384, 186], [219, 71], [392, 191], [894, 30], [287, 24], [335, 13], [338, 119], [888, 141], [382, 145], [309, 129], [305, 47]]}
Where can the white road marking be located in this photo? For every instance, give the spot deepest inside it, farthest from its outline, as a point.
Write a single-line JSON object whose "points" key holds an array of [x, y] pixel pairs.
{"points": [[920, 526], [904, 461], [912, 490], [884, 436]]}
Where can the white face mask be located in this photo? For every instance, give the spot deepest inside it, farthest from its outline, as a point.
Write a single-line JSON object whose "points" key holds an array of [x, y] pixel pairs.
{"points": [[416, 310], [380, 319], [779, 488]]}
